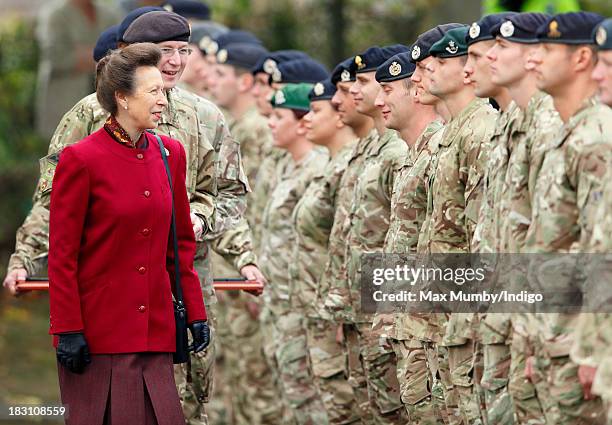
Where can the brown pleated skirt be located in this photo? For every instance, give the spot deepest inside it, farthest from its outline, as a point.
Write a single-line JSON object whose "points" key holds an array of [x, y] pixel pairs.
{"points": [[122, 389]]}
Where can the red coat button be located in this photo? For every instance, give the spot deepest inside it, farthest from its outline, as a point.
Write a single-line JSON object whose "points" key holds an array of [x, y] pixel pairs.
{"points": [[146, 232], [140, 156], [142, 309], [147, 193], [142, 270]]}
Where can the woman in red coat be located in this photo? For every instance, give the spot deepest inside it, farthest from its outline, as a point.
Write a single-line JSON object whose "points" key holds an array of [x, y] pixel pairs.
{"points": [[111, 255]]}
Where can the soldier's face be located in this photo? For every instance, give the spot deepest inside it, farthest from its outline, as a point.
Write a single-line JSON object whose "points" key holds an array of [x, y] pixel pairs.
{"points": [[552, 67], [603, 75], [364, 91], [172, 66], [223, 85], [477, 69], [344, 103], [194, 70], [284, 126], [321, 122], [262, 92], [147, 101], [508, 62], [395, 103], [422, 81], [447, 76]]}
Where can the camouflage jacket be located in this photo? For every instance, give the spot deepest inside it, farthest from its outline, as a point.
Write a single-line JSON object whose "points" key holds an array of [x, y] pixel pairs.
{"points": [[335, 277], [313, 218], [278, 232], [216, 183], [456, 182], [370, 212]]}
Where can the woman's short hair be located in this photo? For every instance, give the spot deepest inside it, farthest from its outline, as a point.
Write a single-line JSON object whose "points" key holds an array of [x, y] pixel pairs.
{"points": [[115, 72]]}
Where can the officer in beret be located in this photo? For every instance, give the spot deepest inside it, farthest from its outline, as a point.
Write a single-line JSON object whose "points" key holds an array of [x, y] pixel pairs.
{"points": [[417, 123], [603, 71], [564, 213], [456, 193], [366, 227], [106, 41], [286, 315], [131, 17], [297, 71], [191, 10]]}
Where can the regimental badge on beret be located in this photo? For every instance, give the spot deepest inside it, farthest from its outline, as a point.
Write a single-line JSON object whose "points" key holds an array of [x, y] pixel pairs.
{"points": [[222, 56], [269, 66], [507, 29], [213, 48], [601, 36], [359, 62], [205, 42], [395, 69], [169, 7], [416, 52], [319, 89], [277, 77], [279, 98], [345, 76], [474, 30], [553, 29], [452, 47]]}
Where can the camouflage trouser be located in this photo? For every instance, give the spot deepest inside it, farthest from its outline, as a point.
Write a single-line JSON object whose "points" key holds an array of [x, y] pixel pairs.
{"points": [[440, 378], [295, 371], [416, 382], [462, 364], [523, 393], [378, 361], [329, 366]]}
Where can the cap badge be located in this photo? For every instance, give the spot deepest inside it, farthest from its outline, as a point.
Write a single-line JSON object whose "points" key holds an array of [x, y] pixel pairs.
{"points": [[277, 77], [507, 29], [395, 69], [319, 89], [553, 30], [205, 42], [222, 56], [279, 98], [474, 30], [269, 66], [601, 36], [345, 76], [416, 52], [213, 48], [168, 7], [359, 62], [452, 47]]}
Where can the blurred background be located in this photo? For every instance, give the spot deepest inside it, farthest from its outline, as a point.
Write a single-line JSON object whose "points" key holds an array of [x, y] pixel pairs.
{"points": [[328, 30]]}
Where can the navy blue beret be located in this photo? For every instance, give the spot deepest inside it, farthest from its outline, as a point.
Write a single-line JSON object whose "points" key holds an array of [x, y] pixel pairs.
{"points": [[299, 71], [375, 56], [243, 55], [270, 62], [188, 9], [520, 28], [420, 48], [203, 33], [342, 72], [569, 28], [230, 37], [131, 17], [398, 67], [481, 30], [323, 90], [106, 41], [158, 26], [603, 35]]}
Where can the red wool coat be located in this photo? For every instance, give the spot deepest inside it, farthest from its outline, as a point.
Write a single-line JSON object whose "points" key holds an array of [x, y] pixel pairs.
{"points": [[111, 262]]}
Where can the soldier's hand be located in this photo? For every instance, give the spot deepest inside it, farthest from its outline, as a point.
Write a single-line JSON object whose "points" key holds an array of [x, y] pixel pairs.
{"points": [[198, 228], [586, 375], [529, 364], [340, 334], [252, 272], [10, 281], [253, 309]]}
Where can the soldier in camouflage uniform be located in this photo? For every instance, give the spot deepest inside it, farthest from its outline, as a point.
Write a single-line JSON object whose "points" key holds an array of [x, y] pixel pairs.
{"points": [[455, 194], [416, 123], [216, 193], [366, 227], [313, 218], [492, 354], [566, 196], [525, 142], [278, 242]]}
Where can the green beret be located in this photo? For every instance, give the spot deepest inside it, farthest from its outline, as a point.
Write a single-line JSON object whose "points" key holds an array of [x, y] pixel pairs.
{"points": [[293, 96], [452, 45], [603, 35], [157, 26]]}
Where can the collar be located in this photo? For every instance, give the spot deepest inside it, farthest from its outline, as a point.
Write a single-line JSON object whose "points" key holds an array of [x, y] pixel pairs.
{"points": [[118, 133]]}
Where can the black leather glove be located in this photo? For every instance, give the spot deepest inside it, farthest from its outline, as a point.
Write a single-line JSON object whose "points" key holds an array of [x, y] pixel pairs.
{"points": [[200, 333], [72, 352]]}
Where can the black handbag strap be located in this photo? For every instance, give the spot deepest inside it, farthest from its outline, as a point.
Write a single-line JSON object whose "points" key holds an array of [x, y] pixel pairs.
{"points": [[177, 273]]}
